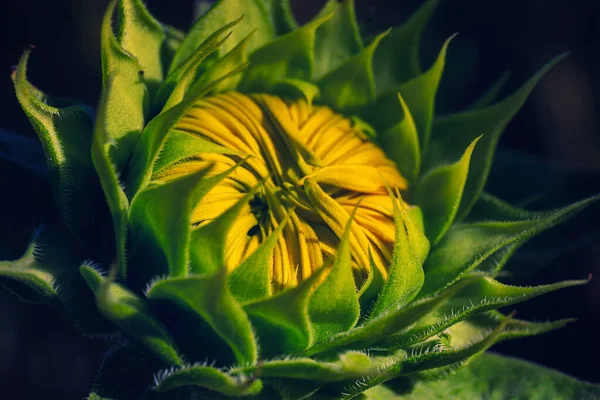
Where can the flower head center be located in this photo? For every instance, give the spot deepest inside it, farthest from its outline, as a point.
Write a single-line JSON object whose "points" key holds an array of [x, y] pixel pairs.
{"points": [[303, 162]]}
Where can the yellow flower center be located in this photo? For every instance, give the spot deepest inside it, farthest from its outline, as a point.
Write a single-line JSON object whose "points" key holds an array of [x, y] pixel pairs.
{"points": [[307, 161]]}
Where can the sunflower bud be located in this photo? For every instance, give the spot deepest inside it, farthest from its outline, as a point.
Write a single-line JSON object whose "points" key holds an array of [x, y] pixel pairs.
{"points": [[287, 218]]}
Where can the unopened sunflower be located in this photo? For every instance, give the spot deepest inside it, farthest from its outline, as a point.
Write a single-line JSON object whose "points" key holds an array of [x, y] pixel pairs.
{"points": [[271, 210]]}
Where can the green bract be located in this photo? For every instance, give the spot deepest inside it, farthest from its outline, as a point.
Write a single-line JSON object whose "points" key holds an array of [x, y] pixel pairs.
{"points": [[191, 328]]}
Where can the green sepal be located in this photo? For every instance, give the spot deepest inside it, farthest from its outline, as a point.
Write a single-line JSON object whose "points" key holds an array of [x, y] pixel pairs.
{"points": [[401, 141], [48, 273], [282, 16], [334, 307], [119, 123], [255, 268], [221, 13], [156, 133], [484, 294], [65, 135], [207, 296], [282, 322], [296, 89], [142, 36], [491, 208], [124, 95], [466, 246], [209, 242], [234, 59], [179, 81], [288, 57], [369, 291], [450, 135], [210, 378], [464, 332], [350, 364], [181, 146], [351, 86], [102, 145], [492, 94], [406, 266], [429, 359], [397, 59], [420, 93], [28, 271], [161, 215], [436, 359], [380, 328], [133, 315], [439, 194], [338, 39], [492, 376]]}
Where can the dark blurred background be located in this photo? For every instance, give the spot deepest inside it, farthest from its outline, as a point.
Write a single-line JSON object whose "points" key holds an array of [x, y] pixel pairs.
{"points": [[557, 133]]}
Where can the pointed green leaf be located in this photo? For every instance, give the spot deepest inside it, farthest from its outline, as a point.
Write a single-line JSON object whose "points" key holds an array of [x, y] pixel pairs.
{"points": [[452, 134], [465, 246], [471, 328], [397, 59], [142, 36], [334, 306], [236, 58], [439, 194], [401, 141], [351, 86], [221, 13], [27, 271], [65, 135], [161, 215], [405, 271], [124, 95], [296, 89], [338, 39], [208, 243], [210, 378], [496, 377], [347, 365], [369, 292], [281, 15], [288, 57], [179, 81], [133, 315], [492, 94], [102, 145], [429, 359], [420, 93], [155, 135], [208, 297], [380, 328], [484, 294], [491, 208], [281, 322], [437, 359], [256, 269], [48, 273], [180, 146]]}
